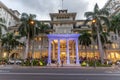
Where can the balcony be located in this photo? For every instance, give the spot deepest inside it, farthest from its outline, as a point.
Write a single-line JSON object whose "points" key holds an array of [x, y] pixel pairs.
{"points": [[82, 27]]}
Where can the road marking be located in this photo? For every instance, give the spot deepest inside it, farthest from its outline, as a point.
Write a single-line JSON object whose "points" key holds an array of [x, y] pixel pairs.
{"points": [[60, 74]]}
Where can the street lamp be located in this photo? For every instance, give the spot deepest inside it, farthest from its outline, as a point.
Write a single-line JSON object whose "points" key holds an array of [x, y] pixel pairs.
{"points": [[94, 21], [32, 22]]}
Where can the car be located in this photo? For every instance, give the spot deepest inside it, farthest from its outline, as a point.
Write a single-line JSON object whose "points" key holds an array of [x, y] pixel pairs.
{"points": [[117, 62], [109, 62], [12, 61]]}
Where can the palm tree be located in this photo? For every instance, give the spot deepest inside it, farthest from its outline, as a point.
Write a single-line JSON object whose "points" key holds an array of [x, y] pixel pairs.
{"points": [[28, 29], [2, 26], [85, 40], [115, 24], [103, 37], [10, 42], [99, 17]]}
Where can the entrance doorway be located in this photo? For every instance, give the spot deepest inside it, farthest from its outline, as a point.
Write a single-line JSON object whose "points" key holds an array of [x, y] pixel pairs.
{"points": [[63, 56]]}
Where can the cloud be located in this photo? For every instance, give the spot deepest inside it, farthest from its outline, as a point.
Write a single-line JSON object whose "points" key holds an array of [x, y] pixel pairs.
{"points": [[79, 6], [42, 8]]}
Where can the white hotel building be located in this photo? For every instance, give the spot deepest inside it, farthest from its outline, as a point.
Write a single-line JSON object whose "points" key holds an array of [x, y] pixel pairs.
{"points": [[62, 40], [9, 18], [113, 6]]}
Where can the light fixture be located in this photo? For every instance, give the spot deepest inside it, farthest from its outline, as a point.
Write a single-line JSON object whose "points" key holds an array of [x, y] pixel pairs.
{"points": [[4, 54], [93, 20]]}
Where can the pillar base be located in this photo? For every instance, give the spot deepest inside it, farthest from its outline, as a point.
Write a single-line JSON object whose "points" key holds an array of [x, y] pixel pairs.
{"points": [[48, 64], [77, 63], [68, 62]]}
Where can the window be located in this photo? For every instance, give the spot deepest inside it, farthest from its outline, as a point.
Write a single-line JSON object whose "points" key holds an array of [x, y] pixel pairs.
{"points": [[9, 23], [115, 37], [112, 37]]}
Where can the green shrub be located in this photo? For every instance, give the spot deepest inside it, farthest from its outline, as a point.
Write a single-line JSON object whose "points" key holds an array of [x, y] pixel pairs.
{"points": [[42, 63], [27, 63], [35, 63], [94, 63], [97, 64], [84, 64]]}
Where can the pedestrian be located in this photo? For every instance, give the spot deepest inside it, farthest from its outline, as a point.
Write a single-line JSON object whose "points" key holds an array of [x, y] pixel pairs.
{"points": [[62, 61]]}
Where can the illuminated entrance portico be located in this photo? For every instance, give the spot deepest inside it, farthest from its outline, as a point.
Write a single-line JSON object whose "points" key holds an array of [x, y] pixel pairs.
{"points": [[66, 37]]}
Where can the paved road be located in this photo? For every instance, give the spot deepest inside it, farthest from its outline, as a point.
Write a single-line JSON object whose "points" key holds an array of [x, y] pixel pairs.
{"points": [[59, 74], [47, 76]]}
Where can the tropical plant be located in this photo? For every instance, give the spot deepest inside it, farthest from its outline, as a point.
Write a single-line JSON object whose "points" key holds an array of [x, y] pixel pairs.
{"points": [[28, 29], [41, 30], [2, 26], [115, 24], [10, 42], [99, 17], [85, 40]]}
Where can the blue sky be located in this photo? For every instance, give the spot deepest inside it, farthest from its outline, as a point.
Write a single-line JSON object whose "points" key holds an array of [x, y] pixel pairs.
{"points": [[42, 8]]}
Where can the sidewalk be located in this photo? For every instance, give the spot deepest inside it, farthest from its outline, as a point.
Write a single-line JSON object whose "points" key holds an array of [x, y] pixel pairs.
{"points": [[74, 67], [6, 66]]}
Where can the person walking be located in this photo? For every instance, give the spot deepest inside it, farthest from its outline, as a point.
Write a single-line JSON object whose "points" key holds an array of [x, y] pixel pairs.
{"points": [[62, 61]]}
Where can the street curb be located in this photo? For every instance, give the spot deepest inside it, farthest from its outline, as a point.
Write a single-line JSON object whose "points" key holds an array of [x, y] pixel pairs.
{"points": [[64, 67]]}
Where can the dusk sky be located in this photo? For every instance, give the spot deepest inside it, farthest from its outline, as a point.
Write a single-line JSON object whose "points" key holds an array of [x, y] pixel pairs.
{"points": [[42, 8]]}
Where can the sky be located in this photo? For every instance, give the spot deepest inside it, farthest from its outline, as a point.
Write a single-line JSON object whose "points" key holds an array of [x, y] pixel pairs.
{"points": [[42, 8]]}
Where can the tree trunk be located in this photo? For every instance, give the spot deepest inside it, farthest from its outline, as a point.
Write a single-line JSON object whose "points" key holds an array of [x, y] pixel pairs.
{"points": [[32, 52], [100, 46], [117, 34], [86, 56], [33, 48], [41, 47], [94, 57], [27, 47]]}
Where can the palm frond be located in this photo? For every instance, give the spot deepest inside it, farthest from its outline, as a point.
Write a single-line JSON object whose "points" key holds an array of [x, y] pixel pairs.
{"points": [[105, 20], [89, 14], [96, 9], [104, 12]]}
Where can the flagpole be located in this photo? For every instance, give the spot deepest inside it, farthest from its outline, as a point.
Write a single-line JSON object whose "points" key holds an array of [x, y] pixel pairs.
{"points": [[62, 4]]}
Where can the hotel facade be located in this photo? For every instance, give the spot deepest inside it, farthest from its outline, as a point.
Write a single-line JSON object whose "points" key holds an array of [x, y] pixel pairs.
{"points": [[62, 41]]}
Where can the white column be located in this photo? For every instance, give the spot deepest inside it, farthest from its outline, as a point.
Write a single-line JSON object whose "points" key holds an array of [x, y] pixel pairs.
{"points": [[67, 50], [77, 55], [49, 52], [59, 61]]}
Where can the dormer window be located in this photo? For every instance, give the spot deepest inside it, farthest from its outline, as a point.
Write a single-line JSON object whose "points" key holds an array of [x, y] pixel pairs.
{"points": [[62, 11]]}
